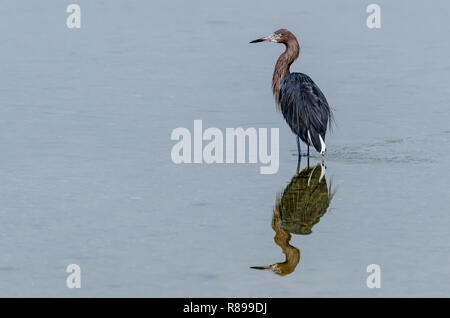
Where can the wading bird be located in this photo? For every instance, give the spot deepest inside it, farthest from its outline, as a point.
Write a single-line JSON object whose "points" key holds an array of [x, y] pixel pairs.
{"points": [[301, 101]]}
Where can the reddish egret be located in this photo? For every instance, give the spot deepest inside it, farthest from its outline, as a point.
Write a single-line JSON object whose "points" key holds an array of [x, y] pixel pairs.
{"points": [[302, 103]]}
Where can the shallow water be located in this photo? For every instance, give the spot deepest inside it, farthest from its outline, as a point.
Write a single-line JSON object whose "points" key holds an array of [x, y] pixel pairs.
{"points": [[85, 123]]}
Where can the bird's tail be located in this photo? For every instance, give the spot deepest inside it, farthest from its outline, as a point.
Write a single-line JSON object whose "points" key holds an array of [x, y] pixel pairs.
{"points": [[317, 141]]}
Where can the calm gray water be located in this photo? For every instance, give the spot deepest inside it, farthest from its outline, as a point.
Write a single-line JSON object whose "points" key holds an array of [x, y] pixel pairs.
{"points": [[86, 173]]}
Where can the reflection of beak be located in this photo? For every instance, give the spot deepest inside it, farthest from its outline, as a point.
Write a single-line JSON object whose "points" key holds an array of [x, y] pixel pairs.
{"points": [[265, 268], [270, 38]]}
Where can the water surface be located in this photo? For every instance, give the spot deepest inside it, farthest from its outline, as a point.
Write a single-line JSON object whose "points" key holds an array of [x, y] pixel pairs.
{"points": [[85, 123]]}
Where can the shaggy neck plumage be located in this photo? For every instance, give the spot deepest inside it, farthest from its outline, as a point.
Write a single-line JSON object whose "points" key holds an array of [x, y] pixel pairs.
{"points": [[282, 67]]}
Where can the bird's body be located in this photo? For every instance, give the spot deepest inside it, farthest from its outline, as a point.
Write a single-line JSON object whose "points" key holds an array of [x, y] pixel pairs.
{"points": [[305, 109], [300, 100]]}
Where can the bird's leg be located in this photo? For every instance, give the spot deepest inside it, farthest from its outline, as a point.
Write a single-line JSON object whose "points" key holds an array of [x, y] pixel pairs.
{"points": [[308, 151], [299, 164], [298, 148]]}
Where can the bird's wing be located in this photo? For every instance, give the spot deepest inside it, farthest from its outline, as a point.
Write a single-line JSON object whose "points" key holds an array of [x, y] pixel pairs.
{"points": [[304, 107]]}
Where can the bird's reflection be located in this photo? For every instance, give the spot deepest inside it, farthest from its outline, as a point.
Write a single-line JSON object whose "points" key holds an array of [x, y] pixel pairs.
{"points": [[301, 205]]}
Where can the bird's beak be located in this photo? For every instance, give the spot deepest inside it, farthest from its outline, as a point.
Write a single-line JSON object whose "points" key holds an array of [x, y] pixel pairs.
{"points": [[270, 38], [264, 268]]}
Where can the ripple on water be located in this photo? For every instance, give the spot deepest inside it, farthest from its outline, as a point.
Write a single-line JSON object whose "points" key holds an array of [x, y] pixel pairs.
{"points": [[399, 150]]}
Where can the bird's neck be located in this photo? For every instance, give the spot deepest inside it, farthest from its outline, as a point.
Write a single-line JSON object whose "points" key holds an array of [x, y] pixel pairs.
{"points": [[282, 67]]}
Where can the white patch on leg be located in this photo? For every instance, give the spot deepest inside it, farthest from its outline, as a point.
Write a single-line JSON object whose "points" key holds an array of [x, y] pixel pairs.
{"points": [[323, 147], [310, 141]]}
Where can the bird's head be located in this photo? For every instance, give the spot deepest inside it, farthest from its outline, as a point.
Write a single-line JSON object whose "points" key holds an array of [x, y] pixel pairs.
{"points": [[279, 36], [278, 268], [272, 267]]}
